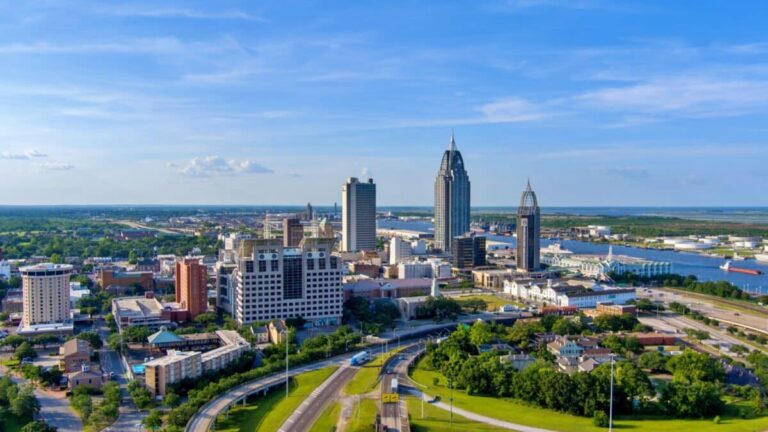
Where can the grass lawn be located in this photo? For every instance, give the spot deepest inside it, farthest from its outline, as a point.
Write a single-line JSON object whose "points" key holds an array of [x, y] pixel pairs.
{"points": [[327, 420], [367, 377], [362, 419], [269, 412], [516, 412], [493, 302], [436, 419]]}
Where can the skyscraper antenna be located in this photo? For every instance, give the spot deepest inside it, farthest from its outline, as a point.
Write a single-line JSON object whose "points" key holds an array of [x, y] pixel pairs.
{"points": [[452, 147]]}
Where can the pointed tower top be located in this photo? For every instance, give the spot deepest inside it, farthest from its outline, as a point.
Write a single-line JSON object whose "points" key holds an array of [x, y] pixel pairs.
{"points": [[452, 147], [528, 184]]}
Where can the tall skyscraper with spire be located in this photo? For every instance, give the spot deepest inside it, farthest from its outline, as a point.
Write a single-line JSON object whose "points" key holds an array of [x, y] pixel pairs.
{"points": [[528, 231], [452, 198]]}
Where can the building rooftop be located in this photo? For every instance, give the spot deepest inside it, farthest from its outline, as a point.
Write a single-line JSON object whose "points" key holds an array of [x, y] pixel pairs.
{"points": [[74, 346], [173, 356], [46, 267], [137, 307], [163, 336]]}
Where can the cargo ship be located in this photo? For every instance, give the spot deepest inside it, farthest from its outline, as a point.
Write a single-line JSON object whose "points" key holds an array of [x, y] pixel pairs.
{"points": [[729, 268]]}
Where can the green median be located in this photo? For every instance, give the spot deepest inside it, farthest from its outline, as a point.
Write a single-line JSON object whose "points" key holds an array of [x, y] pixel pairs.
{"points": [[268, 413]]}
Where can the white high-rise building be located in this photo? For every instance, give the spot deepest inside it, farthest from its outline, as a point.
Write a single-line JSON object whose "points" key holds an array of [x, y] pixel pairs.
{"points": [[271, 281], [358, 215], [399, 250], [45, 294]]}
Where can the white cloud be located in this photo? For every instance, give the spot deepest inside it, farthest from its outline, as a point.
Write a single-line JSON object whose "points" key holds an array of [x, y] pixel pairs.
{"points": [[699, 97], [55, 166], [209, 166], [18, 156], [511, 110], [29, 154], [36, 154], [183, 13]]}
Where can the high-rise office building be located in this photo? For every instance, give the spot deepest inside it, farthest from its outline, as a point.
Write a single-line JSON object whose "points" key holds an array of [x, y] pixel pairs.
{"points": [[468, 251], [309, 212], [452, 198], [45, 294], [192, 286], [358, 215], [399, 250], [528, 231], [274, 282], [293, 232]]}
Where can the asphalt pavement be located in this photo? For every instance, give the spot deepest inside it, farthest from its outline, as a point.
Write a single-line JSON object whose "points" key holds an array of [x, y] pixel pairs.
{"points": [[308, 412]]}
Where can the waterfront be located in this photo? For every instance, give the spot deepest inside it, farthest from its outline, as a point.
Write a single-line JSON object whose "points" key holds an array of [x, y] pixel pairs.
{"points": [[704, 267]]}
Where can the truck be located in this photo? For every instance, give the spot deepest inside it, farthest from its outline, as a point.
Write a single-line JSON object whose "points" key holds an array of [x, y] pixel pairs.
{"points": [[359, 358], [393, 385]]}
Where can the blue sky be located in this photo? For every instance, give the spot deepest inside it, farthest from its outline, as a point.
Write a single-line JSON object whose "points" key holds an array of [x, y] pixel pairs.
{"points": [[598, 102]]}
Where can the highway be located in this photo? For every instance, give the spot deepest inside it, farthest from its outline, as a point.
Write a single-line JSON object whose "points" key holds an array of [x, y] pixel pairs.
{"points": [[308, 412], [752, 318], [205, 418]]}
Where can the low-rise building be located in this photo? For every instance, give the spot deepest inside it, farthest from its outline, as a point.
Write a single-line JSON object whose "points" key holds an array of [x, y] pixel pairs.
{"points": [[562, 293], [409, 306], [115, 281], [387, 288], [74, 354], [610, 308], [518, 361], [564, 347], [144, 311], [172, 368], [178, 365], [86, 377], [598, 266], [13, 302], [492, 278]]}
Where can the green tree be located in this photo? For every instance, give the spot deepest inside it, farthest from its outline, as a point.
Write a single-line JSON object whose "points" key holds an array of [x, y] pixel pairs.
{"points": [[57, 259], [653, 361], [13, 341], [38, 426], [45, 340], [171, 399], [153, 421], [691, 366], [25, 404], [93, 338], [25, 350]]}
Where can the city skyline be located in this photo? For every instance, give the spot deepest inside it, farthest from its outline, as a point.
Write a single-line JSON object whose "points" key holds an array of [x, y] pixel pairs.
{"points": [[635, 105]]}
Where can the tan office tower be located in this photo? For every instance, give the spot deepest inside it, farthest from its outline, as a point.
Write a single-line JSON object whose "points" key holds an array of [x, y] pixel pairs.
{"points": [[358, 215], [192, 286], [293, 232], [45, 293]]}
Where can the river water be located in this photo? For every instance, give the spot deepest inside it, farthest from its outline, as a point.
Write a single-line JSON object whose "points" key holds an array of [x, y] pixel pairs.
{"points": [[704, 267]]}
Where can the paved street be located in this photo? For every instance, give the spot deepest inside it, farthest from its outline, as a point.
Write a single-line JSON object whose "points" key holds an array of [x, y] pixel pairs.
{"points": [[130, 417], [307, 413], [54, 407]]}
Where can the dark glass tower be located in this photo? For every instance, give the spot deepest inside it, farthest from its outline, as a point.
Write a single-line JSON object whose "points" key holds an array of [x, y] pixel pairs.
{"points": [[451, 198], [528, 231]]}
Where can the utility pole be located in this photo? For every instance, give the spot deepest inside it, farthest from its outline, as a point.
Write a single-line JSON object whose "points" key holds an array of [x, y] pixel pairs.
{"points": [[610, 412], [287, 336], [450, 382]]}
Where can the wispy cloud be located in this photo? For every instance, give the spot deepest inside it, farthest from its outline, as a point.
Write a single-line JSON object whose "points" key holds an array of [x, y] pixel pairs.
{"points": [[55, 166], [633, 173], [29, 154], [520, 5], [154, 12], [209, 166], [686, 96]]}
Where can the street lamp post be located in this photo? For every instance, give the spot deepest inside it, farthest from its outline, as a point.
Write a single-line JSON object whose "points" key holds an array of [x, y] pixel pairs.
{"points": [[610, 410], [287, 335]]}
